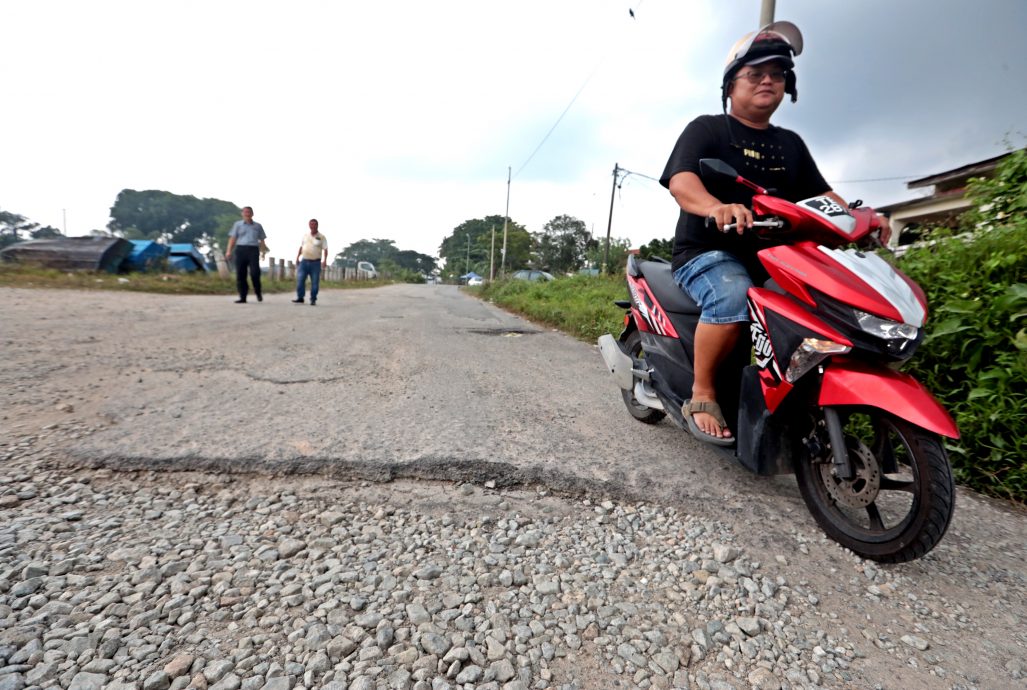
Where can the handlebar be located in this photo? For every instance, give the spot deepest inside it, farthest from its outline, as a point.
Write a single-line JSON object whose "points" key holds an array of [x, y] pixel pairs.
{"points": [[775, 223]]}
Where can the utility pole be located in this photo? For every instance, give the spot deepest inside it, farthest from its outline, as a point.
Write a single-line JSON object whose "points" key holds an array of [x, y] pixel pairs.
{"points": [[767, 12], [65, 212], [506, 218], [467, 265], [609, 223], [492, 256]]}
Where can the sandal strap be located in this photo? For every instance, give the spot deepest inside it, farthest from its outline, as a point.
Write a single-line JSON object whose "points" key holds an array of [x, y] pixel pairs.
{"points": [[707, 406]]}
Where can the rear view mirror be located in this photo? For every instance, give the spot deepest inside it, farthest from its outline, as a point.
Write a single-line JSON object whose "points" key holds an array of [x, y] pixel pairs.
{"points": [[716, 166]]}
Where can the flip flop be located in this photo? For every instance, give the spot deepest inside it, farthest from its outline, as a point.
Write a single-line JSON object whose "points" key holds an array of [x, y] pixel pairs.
{"points": [[713, 409]]}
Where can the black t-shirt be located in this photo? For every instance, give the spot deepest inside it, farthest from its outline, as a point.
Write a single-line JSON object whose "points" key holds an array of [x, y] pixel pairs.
{"points": [[773, 158]]}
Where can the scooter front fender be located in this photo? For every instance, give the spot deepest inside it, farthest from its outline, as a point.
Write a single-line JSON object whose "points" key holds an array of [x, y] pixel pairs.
{"points": [[852, 382]]}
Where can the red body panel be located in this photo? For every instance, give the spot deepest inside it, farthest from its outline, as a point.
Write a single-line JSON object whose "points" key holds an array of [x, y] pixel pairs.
{"points": [[804, 263], [648, 313], [852, 382], [814, 227]]}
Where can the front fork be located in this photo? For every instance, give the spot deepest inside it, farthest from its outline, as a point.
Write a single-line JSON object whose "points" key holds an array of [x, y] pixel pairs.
{"points": [[839, 453]]}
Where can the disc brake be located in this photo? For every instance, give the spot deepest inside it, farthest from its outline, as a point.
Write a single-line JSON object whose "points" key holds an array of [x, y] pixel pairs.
{"points": [[861, 490]]}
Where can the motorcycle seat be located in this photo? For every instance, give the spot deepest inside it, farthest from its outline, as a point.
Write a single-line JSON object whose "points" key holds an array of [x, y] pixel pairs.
{"points": [[660, 279]]}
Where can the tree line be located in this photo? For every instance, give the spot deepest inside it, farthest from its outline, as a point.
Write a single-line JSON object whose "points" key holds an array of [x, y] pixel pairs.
{"points": [[182, 218], [563, 246]]}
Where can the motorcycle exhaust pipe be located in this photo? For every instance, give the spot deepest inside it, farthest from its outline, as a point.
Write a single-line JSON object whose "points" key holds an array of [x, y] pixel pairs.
{"points": [[617, 362]]}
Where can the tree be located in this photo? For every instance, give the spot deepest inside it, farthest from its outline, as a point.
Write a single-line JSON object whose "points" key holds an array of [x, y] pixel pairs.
{"points": [[657, 247], [15, 227], [375, 251], [462, 255], [385, 256], [619, 248], [158, 215], [562, 245]]}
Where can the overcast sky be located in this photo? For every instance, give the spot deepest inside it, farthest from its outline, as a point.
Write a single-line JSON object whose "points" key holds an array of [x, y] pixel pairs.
{"points": [[398, 119]]}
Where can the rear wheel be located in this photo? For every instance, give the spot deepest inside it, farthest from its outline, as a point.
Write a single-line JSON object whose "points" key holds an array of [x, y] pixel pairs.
{"points": [[900, 502], [647, 415]]}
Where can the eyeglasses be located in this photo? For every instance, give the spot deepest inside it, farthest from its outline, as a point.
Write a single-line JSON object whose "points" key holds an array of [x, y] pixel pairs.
{"points": [[754, 77]]}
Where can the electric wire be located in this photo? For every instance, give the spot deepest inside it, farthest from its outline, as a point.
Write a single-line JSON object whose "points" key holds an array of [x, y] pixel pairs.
{"points": [[575, 98]]}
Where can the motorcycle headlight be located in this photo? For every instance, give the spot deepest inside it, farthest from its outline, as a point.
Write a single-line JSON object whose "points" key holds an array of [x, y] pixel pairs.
{"points": [[885, 328], [898, 336]]}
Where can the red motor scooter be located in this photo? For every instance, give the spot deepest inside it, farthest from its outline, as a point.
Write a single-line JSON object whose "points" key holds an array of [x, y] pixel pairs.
{"points": [[822, 396]]}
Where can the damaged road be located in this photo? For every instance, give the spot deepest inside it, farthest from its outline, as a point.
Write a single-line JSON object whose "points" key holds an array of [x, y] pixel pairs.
{"points": [[426, 384]]}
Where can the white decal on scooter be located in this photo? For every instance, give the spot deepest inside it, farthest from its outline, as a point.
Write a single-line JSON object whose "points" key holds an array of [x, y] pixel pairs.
{"points": [[761, 344]]}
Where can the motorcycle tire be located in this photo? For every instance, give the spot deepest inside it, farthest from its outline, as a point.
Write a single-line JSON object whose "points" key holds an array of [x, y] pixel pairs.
{"points": [[901, 500], [633, 347]]}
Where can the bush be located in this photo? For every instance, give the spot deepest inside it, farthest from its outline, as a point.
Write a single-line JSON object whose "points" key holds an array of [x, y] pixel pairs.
{"points": [[974, 357]]}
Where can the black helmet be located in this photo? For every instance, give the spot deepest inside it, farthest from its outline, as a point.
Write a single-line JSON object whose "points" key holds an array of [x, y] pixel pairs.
{"points": [[775, 41]]}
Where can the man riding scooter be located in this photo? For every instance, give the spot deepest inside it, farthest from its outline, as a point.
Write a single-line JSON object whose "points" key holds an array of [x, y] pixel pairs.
{"points": [[714, 266]]}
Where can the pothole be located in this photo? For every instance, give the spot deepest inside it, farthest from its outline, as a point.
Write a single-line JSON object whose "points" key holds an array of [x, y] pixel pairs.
{"points": [[506, 332]]}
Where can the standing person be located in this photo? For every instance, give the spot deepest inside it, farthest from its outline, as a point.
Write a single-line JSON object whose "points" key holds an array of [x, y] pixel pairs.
{"points": [[713, 266], [311, 257], [247, 238]]}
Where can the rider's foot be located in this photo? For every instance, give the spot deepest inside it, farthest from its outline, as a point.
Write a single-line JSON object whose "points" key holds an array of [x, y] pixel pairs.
{"points": [[709, 413], [708, 423]]}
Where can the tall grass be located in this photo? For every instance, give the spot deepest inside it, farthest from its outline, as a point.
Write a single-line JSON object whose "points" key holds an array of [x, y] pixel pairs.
{"points": [[580, 305]]}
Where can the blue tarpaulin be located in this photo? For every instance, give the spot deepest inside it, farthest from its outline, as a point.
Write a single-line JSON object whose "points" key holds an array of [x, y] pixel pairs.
{"points": [[186, 257], [146, 255]]}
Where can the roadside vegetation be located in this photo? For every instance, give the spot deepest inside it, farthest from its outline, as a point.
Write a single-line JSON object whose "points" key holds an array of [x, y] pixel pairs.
{"points": [[27, 276], [974, 358]]}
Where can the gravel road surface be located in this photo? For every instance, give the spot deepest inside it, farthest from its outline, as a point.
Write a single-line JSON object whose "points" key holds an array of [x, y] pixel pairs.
{"points": [[407, 487]]}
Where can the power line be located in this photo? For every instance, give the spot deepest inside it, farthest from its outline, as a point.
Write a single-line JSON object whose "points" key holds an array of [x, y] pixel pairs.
{"points": [[881, 179], [595, 69], [551, 129]]}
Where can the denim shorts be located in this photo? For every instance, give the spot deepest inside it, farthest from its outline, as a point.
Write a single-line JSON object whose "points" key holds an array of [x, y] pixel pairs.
{"points": [[718, 282]]}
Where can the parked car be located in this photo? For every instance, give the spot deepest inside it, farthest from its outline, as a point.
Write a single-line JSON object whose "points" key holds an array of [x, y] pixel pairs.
{"points": [[476, 280], [368, 269], [531, 275]]}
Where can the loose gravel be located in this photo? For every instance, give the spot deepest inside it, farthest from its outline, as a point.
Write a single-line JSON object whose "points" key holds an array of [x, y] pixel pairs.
{"points": [[152, 581]]}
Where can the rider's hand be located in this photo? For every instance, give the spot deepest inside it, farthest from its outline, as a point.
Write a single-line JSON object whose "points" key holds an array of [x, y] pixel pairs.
{"points": [[725, 214]]}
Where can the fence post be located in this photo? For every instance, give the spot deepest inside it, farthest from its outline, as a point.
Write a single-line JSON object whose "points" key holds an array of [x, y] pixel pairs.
{"points": [[219, 259]]}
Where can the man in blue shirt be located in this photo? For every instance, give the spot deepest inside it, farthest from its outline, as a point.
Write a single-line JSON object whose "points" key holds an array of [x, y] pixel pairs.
{"points": [[247, 238]]}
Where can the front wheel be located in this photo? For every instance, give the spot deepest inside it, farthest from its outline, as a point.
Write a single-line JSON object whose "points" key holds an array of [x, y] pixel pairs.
{"points": [[899, 503], [633, 347]]}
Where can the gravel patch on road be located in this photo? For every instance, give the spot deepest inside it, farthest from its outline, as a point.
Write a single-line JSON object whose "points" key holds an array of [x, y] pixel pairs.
{"points": [[152, 580]]}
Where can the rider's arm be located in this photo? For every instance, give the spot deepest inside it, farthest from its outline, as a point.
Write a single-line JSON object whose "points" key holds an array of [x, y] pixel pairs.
{"points": [[692, 196]]}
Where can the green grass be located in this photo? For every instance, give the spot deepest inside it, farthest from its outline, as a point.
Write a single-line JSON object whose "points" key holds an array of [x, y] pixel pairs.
{"points": [[580, 305], [27, 276]]}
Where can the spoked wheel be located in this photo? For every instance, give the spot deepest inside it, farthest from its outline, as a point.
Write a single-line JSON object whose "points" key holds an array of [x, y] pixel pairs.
{"points": [[900, 501], [633, 346]]}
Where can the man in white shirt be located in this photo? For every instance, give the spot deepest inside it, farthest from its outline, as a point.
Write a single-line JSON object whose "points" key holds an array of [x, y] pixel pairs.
{"points": [[311, 257]]}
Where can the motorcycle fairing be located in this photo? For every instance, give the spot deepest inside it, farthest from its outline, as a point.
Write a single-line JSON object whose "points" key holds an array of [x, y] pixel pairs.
{"points": [[803, 264], [778, 326], [835, 226], [890, 283], [848, 381]]}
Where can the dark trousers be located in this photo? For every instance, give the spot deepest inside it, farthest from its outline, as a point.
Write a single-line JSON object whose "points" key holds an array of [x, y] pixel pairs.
{"points": [[247, 259]]}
